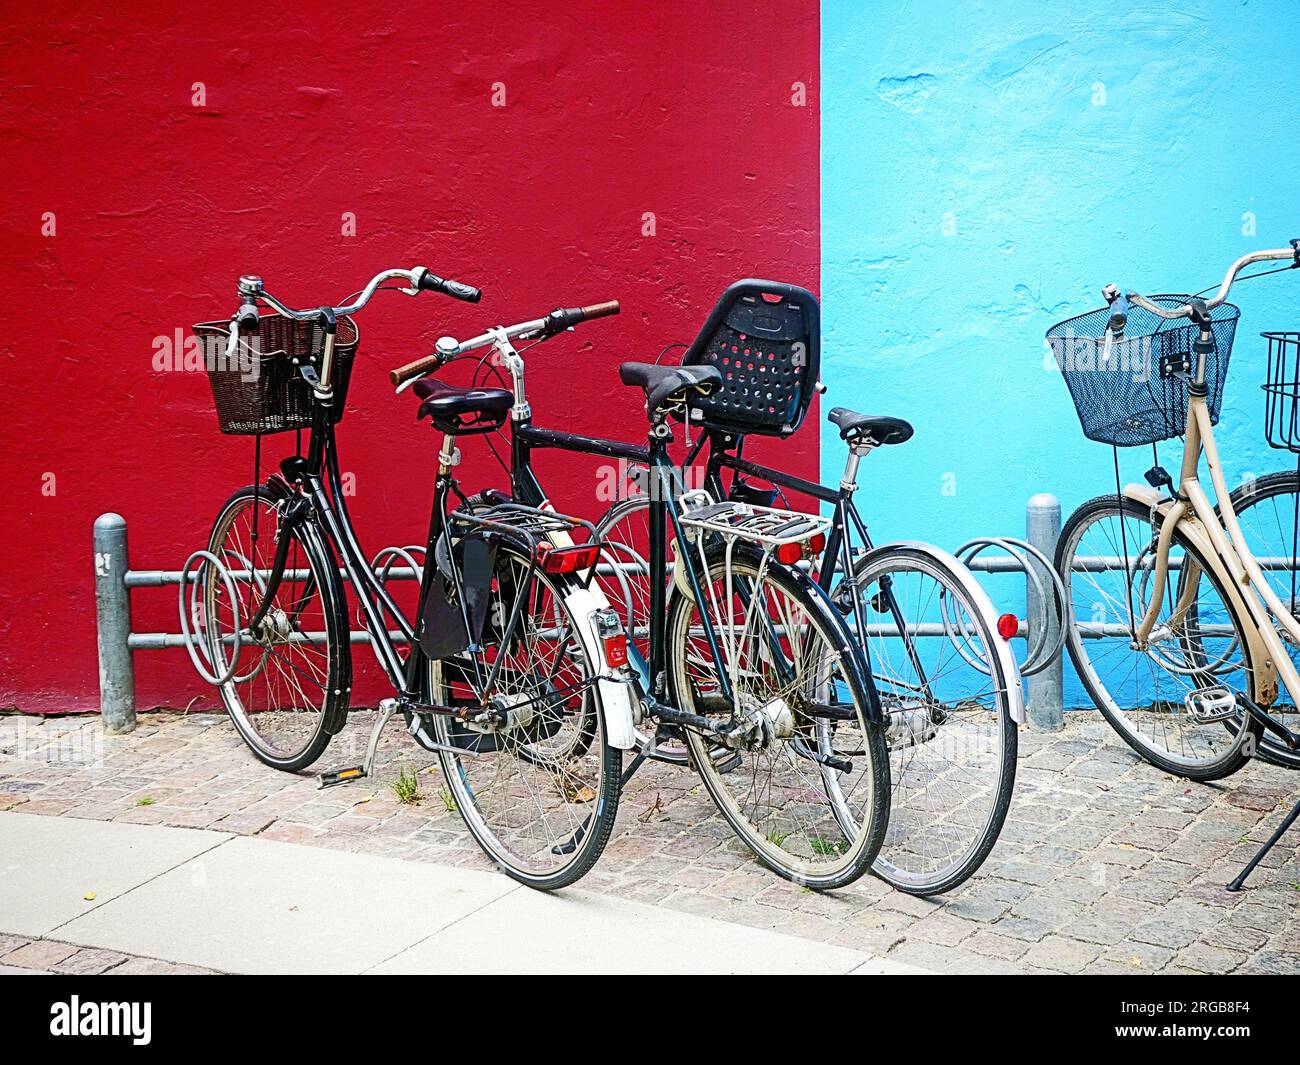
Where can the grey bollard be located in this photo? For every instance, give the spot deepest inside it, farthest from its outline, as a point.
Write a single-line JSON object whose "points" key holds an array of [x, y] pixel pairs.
{"points": [[113, 622], [1045, 696]]}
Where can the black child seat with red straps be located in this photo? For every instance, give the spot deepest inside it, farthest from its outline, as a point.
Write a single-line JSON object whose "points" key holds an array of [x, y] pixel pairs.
{"points": [[764, 338]]}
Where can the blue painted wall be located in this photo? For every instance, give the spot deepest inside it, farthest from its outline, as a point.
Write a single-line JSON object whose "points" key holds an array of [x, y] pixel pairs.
{"points": [[986, 168]]}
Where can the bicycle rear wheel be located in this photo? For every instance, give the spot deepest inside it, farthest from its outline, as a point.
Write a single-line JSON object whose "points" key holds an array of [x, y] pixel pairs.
{"points": [[952, 739], [540, 793], [808, 789], [1267, 510], [1106, 556], [290, 680]]}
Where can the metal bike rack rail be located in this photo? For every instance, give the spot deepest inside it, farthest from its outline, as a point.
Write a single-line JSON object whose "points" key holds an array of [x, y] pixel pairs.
{"points": [[115, 581]]}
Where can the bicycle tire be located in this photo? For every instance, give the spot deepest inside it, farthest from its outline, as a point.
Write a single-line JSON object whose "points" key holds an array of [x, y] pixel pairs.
{"points": [[851, 856], [604, 761], [949, 759], [1240, 750], [324, 582]]}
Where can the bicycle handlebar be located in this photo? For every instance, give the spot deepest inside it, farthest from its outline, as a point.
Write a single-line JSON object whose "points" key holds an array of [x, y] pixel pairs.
{"points": [[1120, 302], [449, 348], [418, 278]]}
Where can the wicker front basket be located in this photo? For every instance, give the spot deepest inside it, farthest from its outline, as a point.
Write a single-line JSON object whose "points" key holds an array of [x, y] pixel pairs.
{"points": [[258, 389]]}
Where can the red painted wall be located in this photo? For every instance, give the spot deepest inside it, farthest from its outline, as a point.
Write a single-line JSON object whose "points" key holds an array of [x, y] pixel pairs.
{"points": [[612, 110]]}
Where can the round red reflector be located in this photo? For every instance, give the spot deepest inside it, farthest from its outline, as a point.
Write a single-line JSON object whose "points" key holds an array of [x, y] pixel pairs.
{"points": [[1008, 626]]}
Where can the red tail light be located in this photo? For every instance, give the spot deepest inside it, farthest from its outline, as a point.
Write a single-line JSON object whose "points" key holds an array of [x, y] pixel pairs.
{"points": [[797, 552], [616, 649], [1008, 626], [567, 559], [613, 638]]}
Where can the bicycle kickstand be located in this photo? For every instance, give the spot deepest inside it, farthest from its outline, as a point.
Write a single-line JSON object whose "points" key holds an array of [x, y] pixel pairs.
{"points": [[1287, 822], [360, 772]]}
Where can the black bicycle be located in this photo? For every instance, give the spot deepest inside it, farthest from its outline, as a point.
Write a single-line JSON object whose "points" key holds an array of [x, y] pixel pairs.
{"points": [[747, 662], [948, 685], [511, 672]]}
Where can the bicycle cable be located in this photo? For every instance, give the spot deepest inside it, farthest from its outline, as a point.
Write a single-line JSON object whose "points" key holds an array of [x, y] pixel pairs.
{"points": [[476, 380], [1246, 277]]}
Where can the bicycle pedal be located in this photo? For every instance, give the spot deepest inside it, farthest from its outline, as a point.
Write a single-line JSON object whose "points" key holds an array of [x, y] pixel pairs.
{"points": [[340, 776], [1208, 705]]}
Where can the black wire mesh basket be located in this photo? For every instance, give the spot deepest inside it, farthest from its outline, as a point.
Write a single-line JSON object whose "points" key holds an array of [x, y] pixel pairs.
{"points": [[1282, 392], [257, 389], [1134, 390]]}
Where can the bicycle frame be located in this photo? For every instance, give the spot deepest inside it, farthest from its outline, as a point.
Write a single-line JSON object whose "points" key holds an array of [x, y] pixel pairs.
{"points": [[318, 475], [838, 543], [1219, 539], [526, 438], [664, 513], [724, 453]]}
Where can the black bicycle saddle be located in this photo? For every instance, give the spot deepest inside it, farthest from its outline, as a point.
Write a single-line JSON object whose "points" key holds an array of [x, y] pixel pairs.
{"points": [[664, 384], [879, 427], [464, 411]]}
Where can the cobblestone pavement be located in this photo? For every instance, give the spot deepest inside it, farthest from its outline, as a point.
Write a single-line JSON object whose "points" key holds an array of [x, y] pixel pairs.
{"points": [[1105, 864], [53, 956]]}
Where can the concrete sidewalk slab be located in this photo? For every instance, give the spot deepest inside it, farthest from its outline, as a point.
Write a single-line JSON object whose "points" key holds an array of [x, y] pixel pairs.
{"points": [[258, 906], [250, 905], [48, 865], [578, 932]]}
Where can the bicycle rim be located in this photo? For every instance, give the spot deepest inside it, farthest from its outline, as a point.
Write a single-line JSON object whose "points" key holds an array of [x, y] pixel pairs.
{"points": [[540, 795], [952, 741], [289, 680], [812, 823], [1143, 692]]}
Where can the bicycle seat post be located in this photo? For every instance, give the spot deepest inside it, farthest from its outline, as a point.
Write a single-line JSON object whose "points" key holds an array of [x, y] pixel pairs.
{"points": [[857, 450]]}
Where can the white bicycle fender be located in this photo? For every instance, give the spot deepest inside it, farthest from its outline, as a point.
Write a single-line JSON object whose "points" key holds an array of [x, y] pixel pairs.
{"points": [[1001, 647], [615, 693]]}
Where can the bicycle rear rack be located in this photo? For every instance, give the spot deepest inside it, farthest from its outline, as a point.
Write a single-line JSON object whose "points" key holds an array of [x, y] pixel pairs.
{"points": [[767, 526], [527, 524]]}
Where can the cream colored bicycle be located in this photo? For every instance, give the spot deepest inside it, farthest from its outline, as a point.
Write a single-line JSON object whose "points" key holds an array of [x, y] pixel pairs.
{"points": [[1178, 634]]}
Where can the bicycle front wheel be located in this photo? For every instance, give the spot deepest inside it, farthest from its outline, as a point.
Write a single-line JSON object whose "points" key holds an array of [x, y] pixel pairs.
{"points": [[806, 782], [930, 640], [289, 681], [540, 792], [1107, 557]]}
